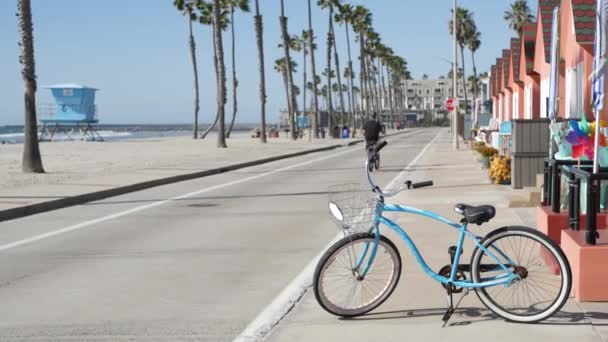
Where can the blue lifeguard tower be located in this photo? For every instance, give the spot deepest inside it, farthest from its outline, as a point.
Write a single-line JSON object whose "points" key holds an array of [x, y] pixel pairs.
{"points": [[74, 111]]}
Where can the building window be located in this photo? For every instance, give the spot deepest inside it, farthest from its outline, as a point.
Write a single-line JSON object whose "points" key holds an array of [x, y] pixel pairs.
{"points": [[428, 91], [438, 90], [441, 83]]}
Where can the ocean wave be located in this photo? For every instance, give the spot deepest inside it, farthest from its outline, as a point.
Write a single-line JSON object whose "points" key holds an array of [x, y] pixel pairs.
{"points": [[11, 135]]}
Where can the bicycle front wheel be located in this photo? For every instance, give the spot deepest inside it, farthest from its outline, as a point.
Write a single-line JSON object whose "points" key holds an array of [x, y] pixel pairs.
{"points": [[544, 276], [339, 287]]}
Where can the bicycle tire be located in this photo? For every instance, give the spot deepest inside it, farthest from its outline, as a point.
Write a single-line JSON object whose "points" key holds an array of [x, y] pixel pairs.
{"points": [[529, 284], [331, 255]]}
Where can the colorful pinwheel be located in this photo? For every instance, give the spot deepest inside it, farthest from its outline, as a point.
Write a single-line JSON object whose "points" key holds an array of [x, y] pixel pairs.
{"points": [[581, 138]]}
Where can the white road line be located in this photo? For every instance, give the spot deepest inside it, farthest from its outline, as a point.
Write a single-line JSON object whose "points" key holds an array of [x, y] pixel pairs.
{"points": [[159, 203], [263, 324], [412, 163]]}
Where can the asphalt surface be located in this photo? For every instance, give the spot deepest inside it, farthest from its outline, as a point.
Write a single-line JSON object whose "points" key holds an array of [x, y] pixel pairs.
{"points": [[196, 260]]}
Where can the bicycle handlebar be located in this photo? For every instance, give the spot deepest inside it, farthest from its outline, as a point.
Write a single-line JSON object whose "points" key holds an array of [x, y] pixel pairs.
{"points": [[422, 184], [408, 184]]}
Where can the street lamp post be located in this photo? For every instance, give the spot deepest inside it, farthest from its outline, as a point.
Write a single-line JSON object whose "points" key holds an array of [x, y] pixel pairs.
{"points": [[454, 70]]}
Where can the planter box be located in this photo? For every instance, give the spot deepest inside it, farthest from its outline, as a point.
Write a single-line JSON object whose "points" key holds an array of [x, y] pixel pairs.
{"points": [[525, 167]]}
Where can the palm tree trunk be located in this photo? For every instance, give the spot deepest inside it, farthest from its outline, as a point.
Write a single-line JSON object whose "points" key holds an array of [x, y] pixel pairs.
{"points": [[217, 85], [351, 103], [32, 162], [235, 82], [406, 95], [329, 45], [221, 74], [339, 77], [475, 90], [315, 96], [292, 98], [376, 88], [286, 84], [304, 79], [464, 85], [259, 33], [362, 80], [370, 84], [387, 96], [195, 69]]}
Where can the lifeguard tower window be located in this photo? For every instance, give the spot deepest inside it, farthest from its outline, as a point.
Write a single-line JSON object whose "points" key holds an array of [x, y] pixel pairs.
{"points": [[74, 112]]}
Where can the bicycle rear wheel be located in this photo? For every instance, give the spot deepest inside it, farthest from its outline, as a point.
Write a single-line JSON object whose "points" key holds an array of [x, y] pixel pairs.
{"points": [[338, 287], [544, 274]]}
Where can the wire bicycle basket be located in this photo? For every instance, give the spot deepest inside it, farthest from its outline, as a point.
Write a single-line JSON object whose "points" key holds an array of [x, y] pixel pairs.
{"points": [[357, 204]]}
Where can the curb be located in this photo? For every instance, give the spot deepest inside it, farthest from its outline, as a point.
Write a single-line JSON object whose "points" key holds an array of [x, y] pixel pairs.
{"points": [[38, 208]]}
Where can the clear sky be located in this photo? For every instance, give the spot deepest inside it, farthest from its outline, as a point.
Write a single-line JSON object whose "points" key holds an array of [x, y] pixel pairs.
{"points": [[136, 52]]}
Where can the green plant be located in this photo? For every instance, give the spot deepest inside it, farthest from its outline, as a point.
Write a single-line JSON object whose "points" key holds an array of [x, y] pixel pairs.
{"points": [[487, 151]]}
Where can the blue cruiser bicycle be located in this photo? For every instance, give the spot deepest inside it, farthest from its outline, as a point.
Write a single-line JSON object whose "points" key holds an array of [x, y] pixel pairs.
{"points": [[517, 272]]}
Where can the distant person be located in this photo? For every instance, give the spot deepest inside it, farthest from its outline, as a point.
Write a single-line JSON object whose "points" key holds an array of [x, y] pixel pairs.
{"points": [[372, 130]]}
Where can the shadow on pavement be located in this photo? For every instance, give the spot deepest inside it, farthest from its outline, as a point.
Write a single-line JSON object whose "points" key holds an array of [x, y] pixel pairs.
{"points": [[481, 314]]}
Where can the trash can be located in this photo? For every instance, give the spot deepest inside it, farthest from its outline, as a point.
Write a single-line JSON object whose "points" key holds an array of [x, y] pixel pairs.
{"points": [[345, 133]]}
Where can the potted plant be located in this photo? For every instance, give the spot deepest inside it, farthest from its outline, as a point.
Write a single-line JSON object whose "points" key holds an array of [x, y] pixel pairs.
{"points": [[500, 170], [486, 153]]}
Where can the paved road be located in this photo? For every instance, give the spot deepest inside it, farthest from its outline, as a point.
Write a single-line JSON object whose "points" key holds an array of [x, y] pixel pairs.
{"points": [[200, 266]]}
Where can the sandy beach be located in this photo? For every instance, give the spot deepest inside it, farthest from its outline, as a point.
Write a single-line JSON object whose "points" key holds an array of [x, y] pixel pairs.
{"points": [[78, 162], [77, 167]]}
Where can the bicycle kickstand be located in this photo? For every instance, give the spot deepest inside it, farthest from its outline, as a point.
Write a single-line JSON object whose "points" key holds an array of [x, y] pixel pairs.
{"points": [[451, 308], [448, 314]]}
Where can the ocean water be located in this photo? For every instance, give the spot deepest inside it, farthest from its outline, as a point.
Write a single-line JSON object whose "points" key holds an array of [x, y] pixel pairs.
{"points": [[14, 134]]}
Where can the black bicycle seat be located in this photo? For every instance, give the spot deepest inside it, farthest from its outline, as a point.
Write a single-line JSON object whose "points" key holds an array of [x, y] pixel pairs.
{"points": [[476, 214]]}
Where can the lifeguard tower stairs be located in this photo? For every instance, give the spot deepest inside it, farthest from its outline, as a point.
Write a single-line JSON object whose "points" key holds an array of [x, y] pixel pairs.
{"points": [[74, 113]]}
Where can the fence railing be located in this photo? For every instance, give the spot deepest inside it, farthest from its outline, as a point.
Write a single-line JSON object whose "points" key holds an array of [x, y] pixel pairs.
{"points": [[592, 196]]}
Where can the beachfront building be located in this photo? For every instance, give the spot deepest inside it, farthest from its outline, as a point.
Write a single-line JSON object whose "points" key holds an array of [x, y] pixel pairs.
{"points": [[507, 90], [530, 80], [514, 82], [499, 93], [542, 50], [576, 51], [430, 95]]}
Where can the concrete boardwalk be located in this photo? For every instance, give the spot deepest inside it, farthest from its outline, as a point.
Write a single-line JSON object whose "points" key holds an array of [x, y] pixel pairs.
{"points": [[415, 309], [190, 261], [76, 167]]}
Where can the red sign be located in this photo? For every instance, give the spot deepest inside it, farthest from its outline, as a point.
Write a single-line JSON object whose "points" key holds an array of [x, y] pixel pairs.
{"points": [[449, 104]]}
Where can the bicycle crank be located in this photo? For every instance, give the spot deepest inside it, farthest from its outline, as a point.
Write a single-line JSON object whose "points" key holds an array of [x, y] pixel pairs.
{"points": [[446, 271]]}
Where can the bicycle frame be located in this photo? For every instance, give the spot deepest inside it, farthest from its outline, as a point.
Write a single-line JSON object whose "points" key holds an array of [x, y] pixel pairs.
{"points": [[503, 279]]}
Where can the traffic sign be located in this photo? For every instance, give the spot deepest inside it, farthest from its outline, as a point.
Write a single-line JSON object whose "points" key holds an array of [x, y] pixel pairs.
{"points": [[449, 104]]}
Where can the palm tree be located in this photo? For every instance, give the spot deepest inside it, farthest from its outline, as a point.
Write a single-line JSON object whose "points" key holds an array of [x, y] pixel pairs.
{"points": [[362, 22], [518, 15], [300, 44], [188, 8], [32, 162], [259, 33], [315, 95], [329, 4], [206, 17], [242, 5], [220, 72], [290, 85], [345, 16], [474, 43], [280, 66], [465, 29]]}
